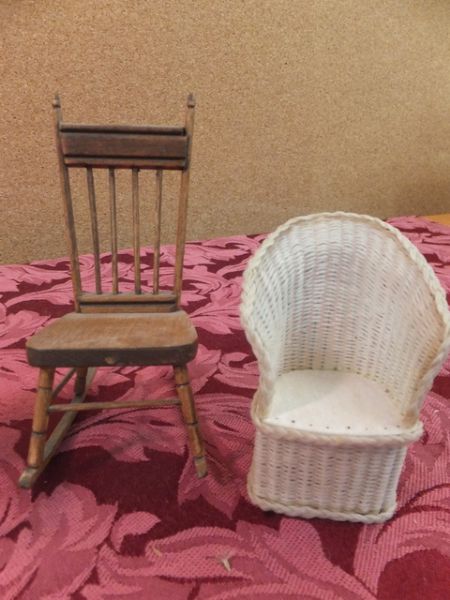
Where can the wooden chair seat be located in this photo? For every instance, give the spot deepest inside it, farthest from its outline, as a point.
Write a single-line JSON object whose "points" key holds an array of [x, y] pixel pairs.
{"points": [[80, 340]]}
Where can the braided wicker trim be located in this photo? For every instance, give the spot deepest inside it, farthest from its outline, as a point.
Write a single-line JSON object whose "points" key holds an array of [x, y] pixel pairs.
{"points": [[308, 512]]}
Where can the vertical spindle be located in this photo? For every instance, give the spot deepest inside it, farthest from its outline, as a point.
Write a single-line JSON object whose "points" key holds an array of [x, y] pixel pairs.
{"points": [[182, 206], [136, 231], [94, 229], [157, 247], [68, 208], [113, 227]]}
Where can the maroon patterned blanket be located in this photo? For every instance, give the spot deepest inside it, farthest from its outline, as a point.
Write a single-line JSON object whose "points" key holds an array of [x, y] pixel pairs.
{"points": [[119, 513]]}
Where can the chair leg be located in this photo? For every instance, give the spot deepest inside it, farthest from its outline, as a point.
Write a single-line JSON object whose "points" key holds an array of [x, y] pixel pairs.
{"points": [[80, 381], [41, 449], [186, 397], [40, 420]]}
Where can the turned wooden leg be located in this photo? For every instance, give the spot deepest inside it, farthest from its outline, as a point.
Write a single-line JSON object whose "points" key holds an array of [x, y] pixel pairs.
{"points": [[42, 450], [190, 418], [40, 418]]}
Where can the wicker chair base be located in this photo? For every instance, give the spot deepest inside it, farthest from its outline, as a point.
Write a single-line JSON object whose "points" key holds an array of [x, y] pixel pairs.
{"points": [[351, 478], [311, 512]]}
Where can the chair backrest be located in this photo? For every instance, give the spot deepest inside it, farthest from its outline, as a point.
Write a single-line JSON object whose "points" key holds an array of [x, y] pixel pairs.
{"points": [[346, 292], [133, 148]]}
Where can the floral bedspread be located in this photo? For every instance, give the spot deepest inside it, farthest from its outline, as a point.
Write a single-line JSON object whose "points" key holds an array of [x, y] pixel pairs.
{"points": [[119, 512]]}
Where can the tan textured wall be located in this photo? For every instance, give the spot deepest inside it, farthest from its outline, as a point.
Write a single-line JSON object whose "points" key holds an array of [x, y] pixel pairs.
{"points": [[302, 105]]}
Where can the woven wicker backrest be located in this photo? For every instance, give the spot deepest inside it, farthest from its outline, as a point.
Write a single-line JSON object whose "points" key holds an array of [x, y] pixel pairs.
{"points": [[346, 292]]}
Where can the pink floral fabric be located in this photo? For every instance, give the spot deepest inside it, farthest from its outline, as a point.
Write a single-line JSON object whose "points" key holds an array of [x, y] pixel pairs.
{"points": [[119, 512]]}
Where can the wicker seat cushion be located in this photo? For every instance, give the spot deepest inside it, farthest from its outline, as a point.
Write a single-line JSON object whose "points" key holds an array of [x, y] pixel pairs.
{"points": [[333, 402]]}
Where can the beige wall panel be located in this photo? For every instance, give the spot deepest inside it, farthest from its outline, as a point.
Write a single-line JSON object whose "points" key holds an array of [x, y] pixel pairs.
{"points": [[302, 106]]}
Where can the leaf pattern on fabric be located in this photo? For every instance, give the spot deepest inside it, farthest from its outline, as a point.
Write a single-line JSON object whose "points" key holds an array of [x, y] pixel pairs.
{"points": [[138, 524]]}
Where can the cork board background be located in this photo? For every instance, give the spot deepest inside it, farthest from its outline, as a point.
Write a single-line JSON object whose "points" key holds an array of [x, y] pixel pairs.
{"points": [[302, 106]]}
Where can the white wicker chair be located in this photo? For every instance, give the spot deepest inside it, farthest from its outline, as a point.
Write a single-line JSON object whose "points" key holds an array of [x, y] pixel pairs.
{"points": [[349, 325]]}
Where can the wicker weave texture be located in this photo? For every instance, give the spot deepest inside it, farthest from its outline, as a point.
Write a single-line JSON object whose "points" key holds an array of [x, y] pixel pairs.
{"points": [[350, 480], [347, 293]]}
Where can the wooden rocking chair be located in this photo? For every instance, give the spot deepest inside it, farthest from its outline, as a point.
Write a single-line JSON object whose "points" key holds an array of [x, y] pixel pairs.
{"points": [[110, 327]]}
